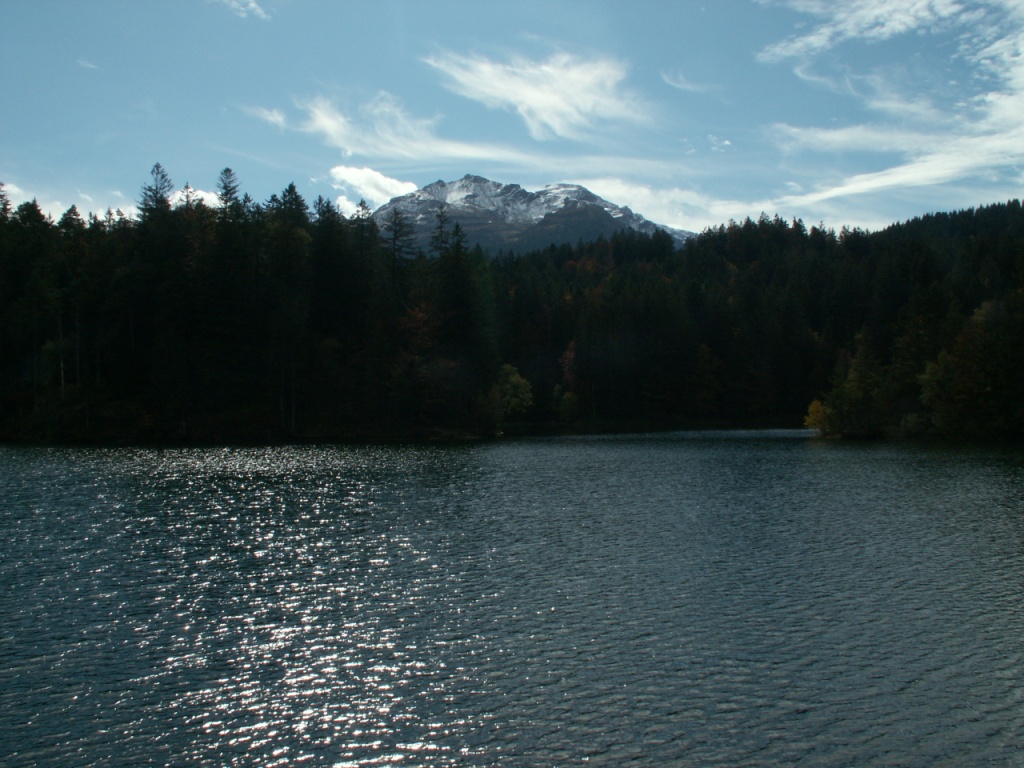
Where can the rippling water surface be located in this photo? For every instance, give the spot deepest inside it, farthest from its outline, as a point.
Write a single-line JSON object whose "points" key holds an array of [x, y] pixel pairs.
{"points": [[700, 599]]}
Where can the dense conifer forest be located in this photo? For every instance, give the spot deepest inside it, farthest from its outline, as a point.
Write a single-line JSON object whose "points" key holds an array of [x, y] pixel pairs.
{"points": [[282, 320]]}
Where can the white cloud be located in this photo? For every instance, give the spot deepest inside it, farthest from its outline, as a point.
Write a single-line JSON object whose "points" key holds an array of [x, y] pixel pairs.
{"points": [[210, 199], [977, 138], [86, 64], [860, 19], [879, 90], [669, 206], [956, 159], [366, 184], [968, 142], [884, 97], [15, 193], [272, 116], [244, 8], [51, 203], [718, 144], [693, 210], [383, 129], [562, 96], [678, 80], [854, 138]]}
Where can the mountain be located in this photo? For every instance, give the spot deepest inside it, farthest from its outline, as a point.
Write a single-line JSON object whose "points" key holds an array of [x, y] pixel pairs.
{"points": [[506, 217]]}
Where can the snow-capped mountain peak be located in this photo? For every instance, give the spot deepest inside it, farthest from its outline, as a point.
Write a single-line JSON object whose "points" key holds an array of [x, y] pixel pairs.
{"points": [[509, 201], [506, 216]]}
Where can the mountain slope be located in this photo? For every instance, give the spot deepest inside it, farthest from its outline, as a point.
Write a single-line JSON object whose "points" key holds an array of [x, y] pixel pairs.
{"points": [[502, 217]]}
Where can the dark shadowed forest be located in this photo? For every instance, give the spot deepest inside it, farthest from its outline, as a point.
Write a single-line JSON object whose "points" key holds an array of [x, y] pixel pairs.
{"points": [[285, 320]]}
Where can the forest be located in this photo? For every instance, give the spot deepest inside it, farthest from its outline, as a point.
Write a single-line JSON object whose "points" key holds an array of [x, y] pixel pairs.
{"points": [[283, 320]]}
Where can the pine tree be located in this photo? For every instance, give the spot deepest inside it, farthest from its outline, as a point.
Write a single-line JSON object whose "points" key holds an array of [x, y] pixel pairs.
{"points": [[231, 207], [440, 237], [156, 196]]}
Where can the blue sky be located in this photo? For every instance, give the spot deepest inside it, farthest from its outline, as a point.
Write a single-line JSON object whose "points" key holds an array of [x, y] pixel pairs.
{"points": [[859, 113]]}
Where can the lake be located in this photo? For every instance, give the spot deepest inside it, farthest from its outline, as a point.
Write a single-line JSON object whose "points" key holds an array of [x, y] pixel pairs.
{"points": [[718, 598]]}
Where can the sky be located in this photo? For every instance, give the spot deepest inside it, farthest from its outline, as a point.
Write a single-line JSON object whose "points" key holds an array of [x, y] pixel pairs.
{"points": [[857, 113]]}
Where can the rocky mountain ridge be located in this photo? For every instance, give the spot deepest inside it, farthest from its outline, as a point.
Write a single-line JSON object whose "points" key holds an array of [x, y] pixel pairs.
{"points": [[505, 217]]}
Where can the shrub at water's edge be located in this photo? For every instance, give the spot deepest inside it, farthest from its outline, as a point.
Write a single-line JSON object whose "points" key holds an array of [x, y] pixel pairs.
{"points": [[972, 387]]}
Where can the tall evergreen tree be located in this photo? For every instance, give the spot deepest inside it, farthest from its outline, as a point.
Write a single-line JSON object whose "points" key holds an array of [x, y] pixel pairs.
{"points": [[5, 204], [440, 236], [227, 194], [156, 196]]}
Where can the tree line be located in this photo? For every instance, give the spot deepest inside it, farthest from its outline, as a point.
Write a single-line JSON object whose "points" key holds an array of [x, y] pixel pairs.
{"points": [[282, 320]]}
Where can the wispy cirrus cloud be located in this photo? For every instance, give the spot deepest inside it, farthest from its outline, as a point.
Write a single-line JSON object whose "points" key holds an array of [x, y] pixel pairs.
{"points": [[678, 80], [246, 8], [562, 96], [860, 19], [853, 138], [382, 128], [272, 116], [951, 160], [974, 138]]}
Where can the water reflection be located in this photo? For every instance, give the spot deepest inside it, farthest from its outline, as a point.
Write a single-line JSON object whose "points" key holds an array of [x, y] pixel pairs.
{"points": [[313, 645], [701, 599]]}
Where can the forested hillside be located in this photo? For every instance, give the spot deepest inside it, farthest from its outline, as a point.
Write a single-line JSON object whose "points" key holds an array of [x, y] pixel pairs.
{"points": [[283, 320]]}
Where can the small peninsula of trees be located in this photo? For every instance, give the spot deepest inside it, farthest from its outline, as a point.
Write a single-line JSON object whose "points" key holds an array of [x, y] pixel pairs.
{"points": [[285, 320]]}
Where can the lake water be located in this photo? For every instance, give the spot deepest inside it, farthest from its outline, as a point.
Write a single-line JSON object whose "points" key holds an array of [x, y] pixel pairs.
{"points": [[658, 600]]}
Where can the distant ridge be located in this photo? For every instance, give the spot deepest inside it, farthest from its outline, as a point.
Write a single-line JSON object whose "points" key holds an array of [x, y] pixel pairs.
{"points": [[505, 217]]}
